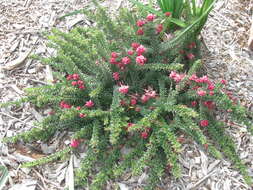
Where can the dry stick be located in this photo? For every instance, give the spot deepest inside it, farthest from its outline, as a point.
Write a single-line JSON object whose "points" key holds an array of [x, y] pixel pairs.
{"points": [[18, 119], [201, 181], [41, 178]]}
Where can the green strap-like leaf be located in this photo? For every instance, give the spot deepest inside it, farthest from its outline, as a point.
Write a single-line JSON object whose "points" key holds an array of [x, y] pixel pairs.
{"points": [[3, 176]]}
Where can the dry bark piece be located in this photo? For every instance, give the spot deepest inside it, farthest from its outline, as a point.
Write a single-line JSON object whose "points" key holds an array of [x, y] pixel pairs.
{"points": [[17, 62], [250, 43]]}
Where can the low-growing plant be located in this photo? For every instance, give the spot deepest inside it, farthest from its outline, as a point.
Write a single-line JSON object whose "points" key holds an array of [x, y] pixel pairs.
{"points": [[132, 83]]}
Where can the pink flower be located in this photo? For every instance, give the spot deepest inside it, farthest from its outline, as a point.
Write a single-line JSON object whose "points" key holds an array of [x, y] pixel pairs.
{"points": [[190, 56], [150, 17], [89, 104], [74, 143], [150, 93], [209, 104], [78, 108], [173, 74], [69, 77], [204, 123], [211, 93], [133, 101], [82, 115], [113, 60], [115, 76], [140, 32], [144, 98], [144, 135], [124, 89], [126, 60], [201, 92], [211, 87], [178, 78], [204, 79], [192, 45], [75, 76], [159, 28], [194, 103], [74, 83], [168, 14], [130, 52], [135, 45], [223, 82], [140, 23], [141, 60], [80, 82], [81, 87], [140, 50], [114, 55], [65, 105], [193, 77]]}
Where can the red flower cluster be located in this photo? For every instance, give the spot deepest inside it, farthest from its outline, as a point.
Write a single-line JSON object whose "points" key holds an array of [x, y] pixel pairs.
{"points": [[65, 105], [176, 77], [74, 143], [77, 81]]}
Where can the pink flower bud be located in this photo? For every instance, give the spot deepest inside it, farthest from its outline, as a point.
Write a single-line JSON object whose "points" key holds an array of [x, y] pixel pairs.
{"points": [[74, 143], [141, 60], [204, 123], [201, 92], [130, 52], [89, 104], [150, 17], [135, 45], [82, 115], [114, 55], [140, 50], [168, 14], [140, 32], [124, 89], [116, 76], [140, 23], [75, 76]]}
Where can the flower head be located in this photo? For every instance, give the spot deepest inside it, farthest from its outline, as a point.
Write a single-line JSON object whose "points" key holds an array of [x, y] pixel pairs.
{"points": [[130, 52], [201, 92], [144, 98], [144, 135], [74, 83], [159, 28], [82, 115], [89, 104], [204, 123], [114, 54], [69, 77], [167, 14], [223, 82], [135, 45], [190, 56], [140, 32], [194, 103], [116, 76], [141, 60], [140, 50], [133, 101], [124, 89], [140, 23], [126, 60], [75, 76], [74, 143], [150, 17]]}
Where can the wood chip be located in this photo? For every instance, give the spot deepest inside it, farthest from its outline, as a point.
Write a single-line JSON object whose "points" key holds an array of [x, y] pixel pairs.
{"points": [[17, 62]]}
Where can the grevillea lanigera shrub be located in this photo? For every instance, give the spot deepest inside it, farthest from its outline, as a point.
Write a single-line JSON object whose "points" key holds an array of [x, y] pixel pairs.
{"points": [[132, 82]]}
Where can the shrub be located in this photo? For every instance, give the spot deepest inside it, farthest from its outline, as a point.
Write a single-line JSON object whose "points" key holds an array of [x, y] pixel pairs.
{"points": [[131, 82]]}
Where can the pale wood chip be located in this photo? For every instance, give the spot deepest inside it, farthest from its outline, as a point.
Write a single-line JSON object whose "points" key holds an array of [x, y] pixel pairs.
{"points": [[17, 62]]}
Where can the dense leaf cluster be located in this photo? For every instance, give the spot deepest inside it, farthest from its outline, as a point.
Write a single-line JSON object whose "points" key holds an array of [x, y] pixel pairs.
{"points": [[150, 130]]}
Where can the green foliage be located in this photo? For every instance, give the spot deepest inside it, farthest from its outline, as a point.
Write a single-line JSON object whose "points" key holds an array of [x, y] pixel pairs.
{"points": [[119, 104], [3, 176]]}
